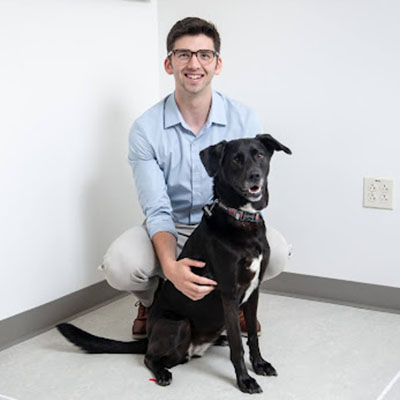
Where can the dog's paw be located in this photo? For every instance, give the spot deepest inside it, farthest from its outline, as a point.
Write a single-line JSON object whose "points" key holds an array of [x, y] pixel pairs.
{"points": [[249, 385], [164, 377], [263, 367]]}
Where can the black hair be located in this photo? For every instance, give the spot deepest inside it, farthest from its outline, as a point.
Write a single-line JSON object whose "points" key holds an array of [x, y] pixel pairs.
{"points": [[193, 26]]}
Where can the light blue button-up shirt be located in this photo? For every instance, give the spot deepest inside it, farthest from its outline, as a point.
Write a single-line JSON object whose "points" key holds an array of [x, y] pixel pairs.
{"points": [[171, 181]]}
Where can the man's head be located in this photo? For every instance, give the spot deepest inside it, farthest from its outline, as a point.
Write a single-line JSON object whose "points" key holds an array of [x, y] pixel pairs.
{"points": [[193, 26], [193, 56]]}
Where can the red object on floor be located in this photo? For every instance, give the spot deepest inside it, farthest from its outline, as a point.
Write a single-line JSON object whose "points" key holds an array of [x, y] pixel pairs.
{"points": [[152, 379]]}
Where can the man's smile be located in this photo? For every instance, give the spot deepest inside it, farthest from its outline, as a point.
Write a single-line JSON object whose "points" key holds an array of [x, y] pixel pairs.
{"points": [[193, 77]]}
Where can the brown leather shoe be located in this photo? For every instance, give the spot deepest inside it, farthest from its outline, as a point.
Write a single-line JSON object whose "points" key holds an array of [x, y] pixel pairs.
{"points": [[243, 328], [139, 324]]}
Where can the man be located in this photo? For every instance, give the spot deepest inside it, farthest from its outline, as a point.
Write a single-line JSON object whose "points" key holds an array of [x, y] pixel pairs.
{"points": [[171, 182]]}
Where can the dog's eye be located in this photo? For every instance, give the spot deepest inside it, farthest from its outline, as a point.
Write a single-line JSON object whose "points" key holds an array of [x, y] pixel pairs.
{"points": [[259, 156], [238, 159]]}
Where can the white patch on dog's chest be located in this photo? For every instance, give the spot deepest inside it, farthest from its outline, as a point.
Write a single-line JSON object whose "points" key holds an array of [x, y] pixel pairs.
{"points": [[255, 267], [198, 349], [249, 208]]}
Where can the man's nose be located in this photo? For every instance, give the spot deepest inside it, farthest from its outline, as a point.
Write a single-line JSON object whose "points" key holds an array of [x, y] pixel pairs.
{"points": [[194, 62]]}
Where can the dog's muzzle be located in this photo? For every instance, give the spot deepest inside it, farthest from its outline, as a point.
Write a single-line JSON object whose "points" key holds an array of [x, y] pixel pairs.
{"points": [[253, 187]]}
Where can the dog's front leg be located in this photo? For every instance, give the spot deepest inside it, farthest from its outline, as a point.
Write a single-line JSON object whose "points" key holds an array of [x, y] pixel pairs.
{"points": [[260, 366], [245, 382]]}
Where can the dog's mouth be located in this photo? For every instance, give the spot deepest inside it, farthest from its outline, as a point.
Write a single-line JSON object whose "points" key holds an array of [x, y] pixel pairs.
{"points": [[252, 193], [254, 190]]}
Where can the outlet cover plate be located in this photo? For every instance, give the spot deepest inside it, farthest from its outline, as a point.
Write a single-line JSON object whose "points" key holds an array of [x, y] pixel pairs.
{"points": [[378, 193]]}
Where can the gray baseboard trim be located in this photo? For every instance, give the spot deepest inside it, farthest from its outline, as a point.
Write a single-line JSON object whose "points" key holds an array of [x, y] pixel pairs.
{"points": [[30, 323], [38, 320], [355, 294]]}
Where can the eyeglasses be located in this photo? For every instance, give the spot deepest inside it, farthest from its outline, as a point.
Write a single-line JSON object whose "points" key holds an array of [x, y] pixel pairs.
{"points": [[183, 56]]}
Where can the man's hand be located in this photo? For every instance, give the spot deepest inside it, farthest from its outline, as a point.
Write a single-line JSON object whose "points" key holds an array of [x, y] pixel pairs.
{"points": [[179, 272], [191, 285]]}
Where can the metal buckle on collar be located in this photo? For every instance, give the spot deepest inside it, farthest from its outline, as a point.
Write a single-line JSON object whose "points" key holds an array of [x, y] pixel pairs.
{"points": [[208, 208]]}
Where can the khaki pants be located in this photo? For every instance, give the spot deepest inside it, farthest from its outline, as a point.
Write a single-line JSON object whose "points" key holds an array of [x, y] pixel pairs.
{"points": [[131, 264]]}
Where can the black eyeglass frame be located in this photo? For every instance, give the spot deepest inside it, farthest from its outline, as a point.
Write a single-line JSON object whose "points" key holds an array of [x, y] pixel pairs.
{"points": [[214, 53]]}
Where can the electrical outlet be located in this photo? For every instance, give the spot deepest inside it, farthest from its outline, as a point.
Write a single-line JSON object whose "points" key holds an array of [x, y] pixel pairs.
{"points": [[378, 193]]}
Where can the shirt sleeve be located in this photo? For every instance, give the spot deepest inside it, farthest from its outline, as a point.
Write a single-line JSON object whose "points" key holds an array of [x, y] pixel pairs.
{"points": [[246, 119], [253, 124], [150, 184]]}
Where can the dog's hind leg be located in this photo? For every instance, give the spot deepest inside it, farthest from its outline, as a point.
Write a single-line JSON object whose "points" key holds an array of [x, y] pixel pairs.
{"points": [[260, 366], [168, 346]]}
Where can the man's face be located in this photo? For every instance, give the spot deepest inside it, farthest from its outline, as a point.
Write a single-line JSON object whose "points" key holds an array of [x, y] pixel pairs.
{"points": [[193, 77]]}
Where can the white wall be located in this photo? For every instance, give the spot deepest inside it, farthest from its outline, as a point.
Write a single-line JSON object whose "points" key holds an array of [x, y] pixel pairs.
{"points": [[73, 77], [324, 78]]}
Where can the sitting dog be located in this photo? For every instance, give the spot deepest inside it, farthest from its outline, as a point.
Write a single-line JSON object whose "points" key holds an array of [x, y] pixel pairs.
{"points": [[231, 240]]}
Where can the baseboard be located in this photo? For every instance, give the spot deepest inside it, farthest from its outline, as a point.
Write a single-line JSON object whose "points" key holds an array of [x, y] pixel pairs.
{"points": [[30, 323], [33, 322], [362, 295]]}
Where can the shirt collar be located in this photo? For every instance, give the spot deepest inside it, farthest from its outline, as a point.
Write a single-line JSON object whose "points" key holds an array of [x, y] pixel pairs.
{"points": [[217, 113], [172, 115]]}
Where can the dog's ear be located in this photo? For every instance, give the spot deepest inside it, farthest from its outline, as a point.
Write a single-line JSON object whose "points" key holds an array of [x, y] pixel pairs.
{"points": [[212, 156], [271, 143]]}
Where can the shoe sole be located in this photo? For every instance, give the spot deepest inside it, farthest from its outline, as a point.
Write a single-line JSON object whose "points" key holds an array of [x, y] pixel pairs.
{"points": [[138, 336]]}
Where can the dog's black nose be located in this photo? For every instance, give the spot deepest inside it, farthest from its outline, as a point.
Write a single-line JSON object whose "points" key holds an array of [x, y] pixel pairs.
{"points": [[254, 176]]}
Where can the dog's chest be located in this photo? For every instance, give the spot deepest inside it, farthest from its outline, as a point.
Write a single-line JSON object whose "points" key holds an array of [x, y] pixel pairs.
{"points": [[251, 272]]}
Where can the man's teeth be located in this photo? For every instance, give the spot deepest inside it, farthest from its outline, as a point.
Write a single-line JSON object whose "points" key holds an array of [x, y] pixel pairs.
{"points": [[194, 76]]}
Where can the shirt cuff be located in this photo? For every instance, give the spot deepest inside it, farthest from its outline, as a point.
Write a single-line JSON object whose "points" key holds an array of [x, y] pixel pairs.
{"points": [[166, 225]]}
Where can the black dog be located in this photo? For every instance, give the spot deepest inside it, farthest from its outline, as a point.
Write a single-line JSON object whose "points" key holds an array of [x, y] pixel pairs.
{"points": [[231, 240]]}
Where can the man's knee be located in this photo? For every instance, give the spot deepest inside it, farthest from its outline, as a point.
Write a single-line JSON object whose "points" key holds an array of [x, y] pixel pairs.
{"points": [[130, 261], [280, 251]]}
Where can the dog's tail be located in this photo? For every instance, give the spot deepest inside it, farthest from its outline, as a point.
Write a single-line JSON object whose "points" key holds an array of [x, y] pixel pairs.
{"points": [[95, 344]]}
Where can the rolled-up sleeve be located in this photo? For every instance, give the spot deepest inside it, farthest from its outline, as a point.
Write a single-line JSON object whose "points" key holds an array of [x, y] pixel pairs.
{"points": [[150, 184]]}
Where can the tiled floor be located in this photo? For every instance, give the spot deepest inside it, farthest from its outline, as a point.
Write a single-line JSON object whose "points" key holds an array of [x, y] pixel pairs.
{"points": [[321, 351]]}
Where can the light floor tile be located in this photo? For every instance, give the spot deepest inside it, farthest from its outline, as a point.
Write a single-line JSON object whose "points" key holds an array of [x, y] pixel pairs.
{"points": [[321, 351]]}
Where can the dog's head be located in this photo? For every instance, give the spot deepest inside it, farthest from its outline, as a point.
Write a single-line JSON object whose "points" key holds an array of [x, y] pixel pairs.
{"points": [[240, 169]]}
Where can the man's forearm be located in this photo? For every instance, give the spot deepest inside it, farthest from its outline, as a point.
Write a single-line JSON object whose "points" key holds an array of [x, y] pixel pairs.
{"points": [[165, 246]]}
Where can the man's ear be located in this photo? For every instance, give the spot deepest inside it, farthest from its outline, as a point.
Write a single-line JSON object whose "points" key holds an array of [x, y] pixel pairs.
{"points": [[218, 67], [272, 144], [212, 156], [168, 66]]}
